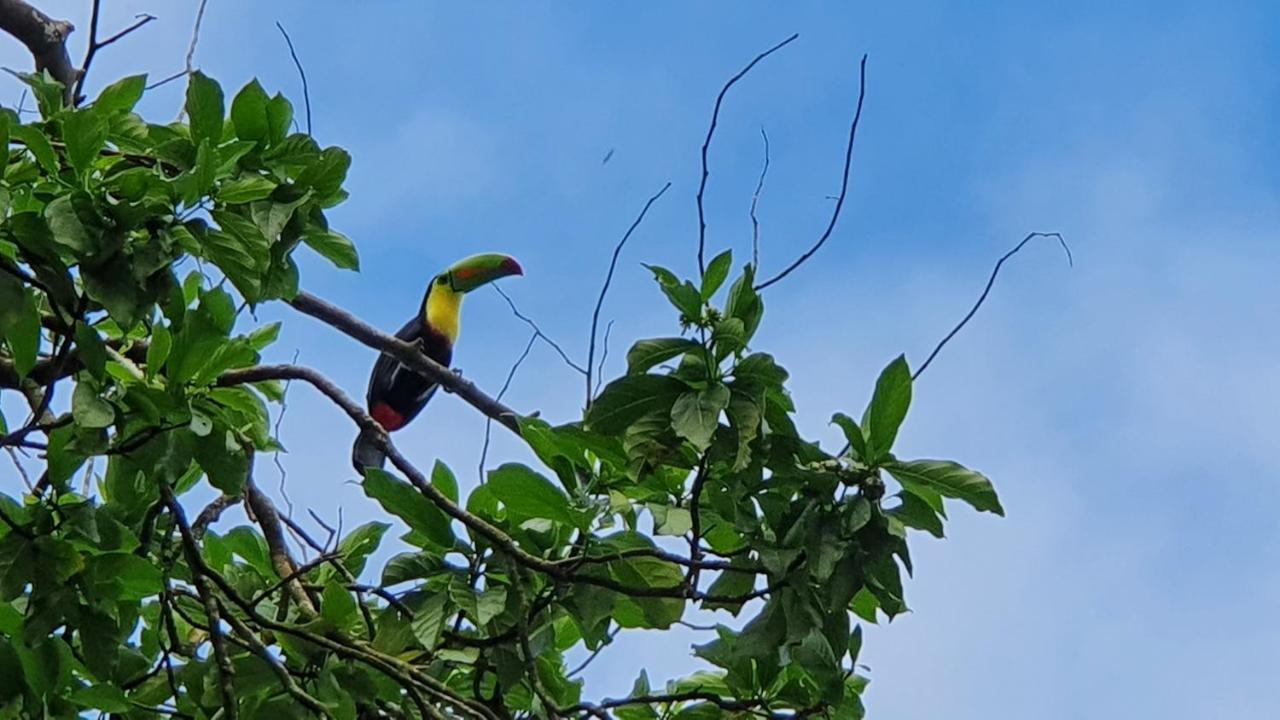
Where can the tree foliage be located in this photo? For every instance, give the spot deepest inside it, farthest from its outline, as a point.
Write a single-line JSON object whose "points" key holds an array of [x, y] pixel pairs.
{"points": [[685, 484]]}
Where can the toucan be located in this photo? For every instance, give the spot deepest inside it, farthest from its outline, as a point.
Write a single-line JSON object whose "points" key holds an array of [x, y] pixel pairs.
{"points": [[397, 394]]}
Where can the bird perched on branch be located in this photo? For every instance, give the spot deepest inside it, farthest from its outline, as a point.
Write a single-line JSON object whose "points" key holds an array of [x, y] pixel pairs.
{"points": [[396, 393]]}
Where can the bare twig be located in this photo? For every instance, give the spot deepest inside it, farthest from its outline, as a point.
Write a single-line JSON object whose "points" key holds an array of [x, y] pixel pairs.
{"points": [[991, 281], [488, 422], [608, 280], [604, 355], [282, 673], [306, 94], [755, 200], [706, 144], [844, 183], [195, 38], [265, 514], [594, 654], [192, 550], [411, 355], [538, 331], [95, 45], [167, 80]]}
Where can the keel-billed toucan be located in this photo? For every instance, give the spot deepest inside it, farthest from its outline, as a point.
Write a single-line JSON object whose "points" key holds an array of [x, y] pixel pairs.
{"points": [[396, 393]]}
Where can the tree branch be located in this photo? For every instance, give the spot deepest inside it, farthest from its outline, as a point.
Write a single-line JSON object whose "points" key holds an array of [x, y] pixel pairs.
{"points": [[412, 357], [991, 281], [706, 144], [608, 280], [45, 37], [844, 183], [755, 200]]}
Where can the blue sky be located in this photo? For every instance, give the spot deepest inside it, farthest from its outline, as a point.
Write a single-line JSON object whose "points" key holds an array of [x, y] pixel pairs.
{"points": [[1126, 408]]}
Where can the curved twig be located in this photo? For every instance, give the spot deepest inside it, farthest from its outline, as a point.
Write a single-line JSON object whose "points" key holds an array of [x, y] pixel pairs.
{"points": [[991, 281], [608, 280], [306, 93], [844, 184], [706, 144], [755, 200]]}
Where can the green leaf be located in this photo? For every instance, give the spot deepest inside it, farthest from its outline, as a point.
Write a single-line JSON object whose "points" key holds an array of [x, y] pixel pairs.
{"points": [[528, 494], [19, 323], [744, 417], [949, 479], [888, 408], [428, 619], [279, 117], [38, 144], [359, 544], [696, 414], [745, 304], [853, 434], [630, 398], [915, 512], [334, 246], [405, 502], [648, 353], [120, 97], [444, 481], [245, 189], [90, 410], [864, 605], [337, 606], [204, 109], [668, 520], [683, 296], [50, 94], [107, 698], [855, 644], [72, 222], [125, 577], [85, 133], [717, 272], [223, 460], [730, 584], [158, 349], [91, 350], [249, 112], [325, 175]]}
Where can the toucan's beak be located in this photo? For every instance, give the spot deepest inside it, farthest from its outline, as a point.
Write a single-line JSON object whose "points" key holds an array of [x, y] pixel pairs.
{"points": [[469, 274]]}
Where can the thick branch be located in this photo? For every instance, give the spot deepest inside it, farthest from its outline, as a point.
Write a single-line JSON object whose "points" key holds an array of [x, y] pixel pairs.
{"points": [[411, 355], [45, 37]]}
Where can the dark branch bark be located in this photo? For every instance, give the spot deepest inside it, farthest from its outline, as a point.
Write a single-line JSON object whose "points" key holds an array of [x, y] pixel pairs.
{"points": [[45, 37], [410, 355]]}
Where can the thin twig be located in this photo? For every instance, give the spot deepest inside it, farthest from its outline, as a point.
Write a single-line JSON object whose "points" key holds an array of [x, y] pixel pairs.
{"points": [[95, 45], [275, 456], [195, 38], [608, 280], [604, 355], [755, 200], [306, 94], [594, 654], [706, 144], [844, 183], [991, 281], [488, 421], [538, 331]]}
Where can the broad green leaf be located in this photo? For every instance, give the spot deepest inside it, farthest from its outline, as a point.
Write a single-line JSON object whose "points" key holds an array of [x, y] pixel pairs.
{"points": [[359, 544], [19, 323], [855, 645], [428, 619], [38, 144], [405, 502], [224, 461], [947, 478], [683, 295], [204, 109], [744, 417], [915, 512], [888, 408], [158, 349], [249, 544], [124, 577], [120, 97], [696, 414], [337, 606], [648, 353], [90, 410], [91, 350], [627, 399], [668, 520], [245, 189], [334, 246], [444, 481], [745, 304], [279, 116], [528, 494], [249, 112], [717, 272], [85, 133], [325, 175], [852, 434], [107, 698]]}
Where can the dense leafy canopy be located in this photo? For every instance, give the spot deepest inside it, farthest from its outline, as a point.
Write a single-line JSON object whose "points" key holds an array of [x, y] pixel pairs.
{"points": [[685, 485]]}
